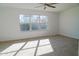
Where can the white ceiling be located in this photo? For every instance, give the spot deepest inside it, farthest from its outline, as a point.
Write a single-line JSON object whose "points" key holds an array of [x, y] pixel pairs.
{"points": [[59, 7]]}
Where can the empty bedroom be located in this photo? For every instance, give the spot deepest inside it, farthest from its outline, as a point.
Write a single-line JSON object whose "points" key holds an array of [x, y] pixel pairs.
{"points": [[39, 29]]}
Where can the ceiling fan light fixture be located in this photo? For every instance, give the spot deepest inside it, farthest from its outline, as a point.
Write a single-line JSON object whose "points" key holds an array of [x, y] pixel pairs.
{"points": [[44, 7]]}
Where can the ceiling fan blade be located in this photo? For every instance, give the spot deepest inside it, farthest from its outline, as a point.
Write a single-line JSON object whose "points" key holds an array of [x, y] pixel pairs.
{"points": [[50, 6], [53, 3]]}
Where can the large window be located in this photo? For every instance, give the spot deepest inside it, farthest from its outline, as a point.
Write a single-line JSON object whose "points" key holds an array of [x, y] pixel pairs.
{"points": [[24, 23], [33, 22], [43, 22]]}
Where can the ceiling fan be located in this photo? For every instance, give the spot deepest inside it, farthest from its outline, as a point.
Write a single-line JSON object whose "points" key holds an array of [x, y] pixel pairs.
{"points": [[45, 5]]}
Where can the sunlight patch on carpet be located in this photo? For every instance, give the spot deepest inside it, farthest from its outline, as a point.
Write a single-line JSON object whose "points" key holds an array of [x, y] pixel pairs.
{"points": [[13, 47]]}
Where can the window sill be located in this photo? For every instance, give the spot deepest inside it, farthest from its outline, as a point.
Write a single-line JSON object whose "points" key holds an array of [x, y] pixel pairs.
{"points": [[36, 30]]}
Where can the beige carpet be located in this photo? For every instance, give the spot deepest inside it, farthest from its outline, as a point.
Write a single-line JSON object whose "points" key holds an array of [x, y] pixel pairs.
{"points": [[42, 46]]}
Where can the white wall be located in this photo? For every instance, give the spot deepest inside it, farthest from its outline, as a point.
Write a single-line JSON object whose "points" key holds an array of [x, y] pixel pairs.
{"points": [[10, 29], [69, 23], [78, 48]]}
